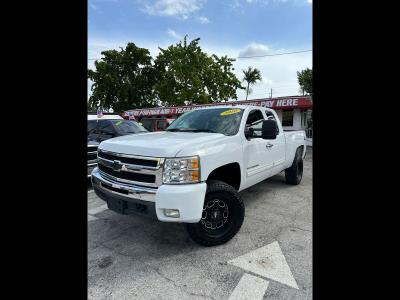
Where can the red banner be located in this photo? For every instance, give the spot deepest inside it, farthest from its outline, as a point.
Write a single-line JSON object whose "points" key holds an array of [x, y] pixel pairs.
{"points": [[275, 103]]}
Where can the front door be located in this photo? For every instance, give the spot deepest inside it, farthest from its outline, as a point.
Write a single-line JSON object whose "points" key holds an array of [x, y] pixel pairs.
{"points": [[258, 159]]}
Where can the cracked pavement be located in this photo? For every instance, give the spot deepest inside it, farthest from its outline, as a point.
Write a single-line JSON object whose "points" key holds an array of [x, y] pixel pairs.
{"points": [[132, 257]]}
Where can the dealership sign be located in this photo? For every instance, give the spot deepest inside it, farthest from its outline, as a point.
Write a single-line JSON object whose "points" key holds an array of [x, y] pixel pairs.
{"points": [[277, 103]]}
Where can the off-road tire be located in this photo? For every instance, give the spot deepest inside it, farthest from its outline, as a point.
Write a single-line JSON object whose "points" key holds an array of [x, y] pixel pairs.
{"points": [[221, 191]]}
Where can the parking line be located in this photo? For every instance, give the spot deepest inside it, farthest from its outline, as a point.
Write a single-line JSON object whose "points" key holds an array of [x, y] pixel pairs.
{"points": [[249, 288], [97, 210]]}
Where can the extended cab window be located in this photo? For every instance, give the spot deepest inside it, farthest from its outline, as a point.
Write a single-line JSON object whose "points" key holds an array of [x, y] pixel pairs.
{"points": [[218, 120], [254, 121], [270, 116]]}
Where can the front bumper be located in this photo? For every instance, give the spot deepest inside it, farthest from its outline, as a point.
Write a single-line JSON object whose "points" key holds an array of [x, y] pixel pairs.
{"points": [[187, 198]]}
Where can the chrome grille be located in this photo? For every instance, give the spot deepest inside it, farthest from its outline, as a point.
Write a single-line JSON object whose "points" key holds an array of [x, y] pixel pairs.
{"points": [[131, 169]]}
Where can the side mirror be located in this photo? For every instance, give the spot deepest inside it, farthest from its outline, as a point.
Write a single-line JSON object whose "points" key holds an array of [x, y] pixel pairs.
{"points": [[248, 132], [269, 130]]}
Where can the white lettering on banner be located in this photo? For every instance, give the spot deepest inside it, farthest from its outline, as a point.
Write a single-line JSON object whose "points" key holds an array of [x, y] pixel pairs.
{"points": [[269, 103], [290, 102], [287, 102]]}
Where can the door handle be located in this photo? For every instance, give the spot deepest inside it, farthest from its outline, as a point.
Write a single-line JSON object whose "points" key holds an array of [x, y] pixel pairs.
{"points": [[269, 145]]}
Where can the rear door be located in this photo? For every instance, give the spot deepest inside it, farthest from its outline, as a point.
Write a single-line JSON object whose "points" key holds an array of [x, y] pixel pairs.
{"points": [[277, 147]]}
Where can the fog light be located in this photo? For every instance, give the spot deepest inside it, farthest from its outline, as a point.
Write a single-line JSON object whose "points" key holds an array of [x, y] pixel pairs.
{"points": [[172, 213]]}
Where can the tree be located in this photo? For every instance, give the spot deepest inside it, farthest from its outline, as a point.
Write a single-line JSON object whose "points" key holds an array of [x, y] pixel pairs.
{"points": [[251, 76], [123, 80], [186, 75], [304, 78]]}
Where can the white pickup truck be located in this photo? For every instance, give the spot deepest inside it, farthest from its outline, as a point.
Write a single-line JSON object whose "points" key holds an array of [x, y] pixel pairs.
{"points": [[193, 172]]}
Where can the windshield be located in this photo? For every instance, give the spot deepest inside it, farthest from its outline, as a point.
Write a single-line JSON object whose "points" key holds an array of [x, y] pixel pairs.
{"points": [[124, 127], [218, 120]]}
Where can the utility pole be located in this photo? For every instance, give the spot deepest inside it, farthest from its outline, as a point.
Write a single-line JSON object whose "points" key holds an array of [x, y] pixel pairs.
{"points": [[270, 95]]}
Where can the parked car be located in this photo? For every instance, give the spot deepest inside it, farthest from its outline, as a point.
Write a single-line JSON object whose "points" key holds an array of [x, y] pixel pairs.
{"points": [[193, 172], [156, 124], [91, 156], [103, 129]]}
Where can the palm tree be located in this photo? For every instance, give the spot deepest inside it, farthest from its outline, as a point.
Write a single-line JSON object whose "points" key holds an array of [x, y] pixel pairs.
{"points": [[251, 76]]}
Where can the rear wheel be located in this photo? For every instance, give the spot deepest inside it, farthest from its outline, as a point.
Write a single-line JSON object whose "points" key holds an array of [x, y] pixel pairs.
{"points": [[294, 174], [222, 216]]}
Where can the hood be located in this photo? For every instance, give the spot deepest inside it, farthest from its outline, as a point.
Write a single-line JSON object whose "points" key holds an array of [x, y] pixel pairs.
{"points": [[158, 144]]}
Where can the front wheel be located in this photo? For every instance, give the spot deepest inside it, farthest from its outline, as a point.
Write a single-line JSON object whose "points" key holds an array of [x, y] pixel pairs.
{"points": [[222, 216]]}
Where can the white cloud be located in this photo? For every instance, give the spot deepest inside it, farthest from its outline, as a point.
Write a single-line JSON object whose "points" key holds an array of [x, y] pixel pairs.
{"points": [[254, 49], [309, 1], [203, 20], [174, 34], [172, 8]]}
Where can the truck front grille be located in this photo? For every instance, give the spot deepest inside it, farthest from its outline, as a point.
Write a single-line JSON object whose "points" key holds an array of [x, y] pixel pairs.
{"points": [[91, 156], [128, 175], [130, 169], [91, 153], [129, 160]]}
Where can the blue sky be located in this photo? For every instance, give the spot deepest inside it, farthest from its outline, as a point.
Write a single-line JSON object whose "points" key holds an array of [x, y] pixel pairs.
{"points": [[226, 27]]}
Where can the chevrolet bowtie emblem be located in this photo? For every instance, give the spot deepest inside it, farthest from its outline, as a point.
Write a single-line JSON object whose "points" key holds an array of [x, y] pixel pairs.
{"points": [[117, 165]]}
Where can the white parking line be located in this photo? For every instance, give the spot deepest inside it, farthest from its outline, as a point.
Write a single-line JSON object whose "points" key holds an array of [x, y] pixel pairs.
{"points": [[97, 210], [249, 288], [90, 191], [91, 218]]}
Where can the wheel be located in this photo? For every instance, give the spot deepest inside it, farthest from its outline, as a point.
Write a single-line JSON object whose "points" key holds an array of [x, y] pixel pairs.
{"points": [[222, 217], [294, 174]]}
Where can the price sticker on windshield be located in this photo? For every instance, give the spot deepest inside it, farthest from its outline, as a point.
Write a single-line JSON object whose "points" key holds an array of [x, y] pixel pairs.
{"points": [[118, 123], [230, 112]]}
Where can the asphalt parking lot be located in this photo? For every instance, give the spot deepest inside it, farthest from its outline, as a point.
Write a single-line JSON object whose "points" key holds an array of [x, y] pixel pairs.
{"points": [[132, 257]]}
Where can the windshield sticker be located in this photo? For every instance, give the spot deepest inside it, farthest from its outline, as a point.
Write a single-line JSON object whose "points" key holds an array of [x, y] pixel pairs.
{"points": [[118, 123], [230, 112]]}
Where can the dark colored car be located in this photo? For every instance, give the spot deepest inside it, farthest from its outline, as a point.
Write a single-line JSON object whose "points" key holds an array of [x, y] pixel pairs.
{"points": [[101, 130], [91, 156]]}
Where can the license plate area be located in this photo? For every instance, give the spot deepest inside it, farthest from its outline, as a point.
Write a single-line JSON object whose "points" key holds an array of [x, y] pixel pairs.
{"points": [[111, 188]]}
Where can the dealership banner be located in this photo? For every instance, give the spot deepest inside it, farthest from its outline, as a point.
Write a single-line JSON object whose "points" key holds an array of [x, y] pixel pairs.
{"points": [[274, 103]]}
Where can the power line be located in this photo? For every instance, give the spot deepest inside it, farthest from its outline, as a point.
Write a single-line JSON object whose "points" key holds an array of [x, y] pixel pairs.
{"points": [[276, 54]]}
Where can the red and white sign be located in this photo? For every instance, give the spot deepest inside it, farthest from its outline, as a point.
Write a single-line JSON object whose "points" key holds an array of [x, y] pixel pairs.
{"points": [[275, 103]]}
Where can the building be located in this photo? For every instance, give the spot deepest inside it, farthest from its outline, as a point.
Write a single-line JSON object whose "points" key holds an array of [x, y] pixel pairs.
{"points": [[295, 112]]}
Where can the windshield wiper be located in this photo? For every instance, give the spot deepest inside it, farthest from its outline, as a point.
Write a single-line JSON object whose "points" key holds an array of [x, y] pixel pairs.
{"points": [[203, 130]]}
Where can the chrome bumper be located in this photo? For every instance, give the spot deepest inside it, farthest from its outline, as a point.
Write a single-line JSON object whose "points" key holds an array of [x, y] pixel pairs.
{"points": [[133, 192]]}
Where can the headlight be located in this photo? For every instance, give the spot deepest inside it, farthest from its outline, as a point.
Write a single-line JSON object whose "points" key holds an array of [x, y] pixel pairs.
{"points": [[181, 170]]}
